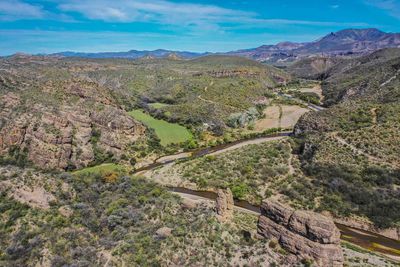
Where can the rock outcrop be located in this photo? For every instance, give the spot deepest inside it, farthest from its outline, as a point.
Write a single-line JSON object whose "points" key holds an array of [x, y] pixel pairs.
{"points": [[68, 137], [163, 232], [224, 205], [307, 235]]}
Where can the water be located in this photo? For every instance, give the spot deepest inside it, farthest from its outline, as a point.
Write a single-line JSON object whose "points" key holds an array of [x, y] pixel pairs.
{"points": [[196, 153], [367, 240]]}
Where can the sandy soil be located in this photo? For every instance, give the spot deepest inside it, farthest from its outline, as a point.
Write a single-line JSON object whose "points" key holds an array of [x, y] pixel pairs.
{"points": [[250, 142], [36, 196], [290, 115], [274, 119], [271, 119], [316, 89]]}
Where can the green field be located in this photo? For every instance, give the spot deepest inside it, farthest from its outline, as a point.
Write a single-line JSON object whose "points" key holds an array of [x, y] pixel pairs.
{"points": [[169, 133]]}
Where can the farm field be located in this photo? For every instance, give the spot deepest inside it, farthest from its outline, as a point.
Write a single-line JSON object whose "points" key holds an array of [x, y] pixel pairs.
{"points": [[282, 116], [169, 133]]}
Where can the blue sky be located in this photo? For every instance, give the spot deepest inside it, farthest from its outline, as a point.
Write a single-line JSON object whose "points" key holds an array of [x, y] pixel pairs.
{"points": [[46, 26]]}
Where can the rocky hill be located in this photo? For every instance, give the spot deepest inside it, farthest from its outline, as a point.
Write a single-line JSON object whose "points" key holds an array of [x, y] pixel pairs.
{"points": [[350, 149], [54, 119], [314, 68]]}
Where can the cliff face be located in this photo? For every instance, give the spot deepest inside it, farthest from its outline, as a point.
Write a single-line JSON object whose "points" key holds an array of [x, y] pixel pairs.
{"points": [[307, 235], [54, 117], [68, 137]]}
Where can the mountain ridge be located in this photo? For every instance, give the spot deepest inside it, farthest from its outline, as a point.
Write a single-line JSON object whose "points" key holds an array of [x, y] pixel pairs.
{"points": [[343, 43], [347, 42], [131, 54]]}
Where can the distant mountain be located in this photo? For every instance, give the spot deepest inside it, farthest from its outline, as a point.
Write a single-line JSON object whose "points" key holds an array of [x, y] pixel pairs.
{"points": [[133, 54], [349, 42]]}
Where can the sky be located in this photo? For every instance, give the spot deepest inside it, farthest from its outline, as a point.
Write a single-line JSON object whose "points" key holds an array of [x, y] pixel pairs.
{"points": [[48, 26]]}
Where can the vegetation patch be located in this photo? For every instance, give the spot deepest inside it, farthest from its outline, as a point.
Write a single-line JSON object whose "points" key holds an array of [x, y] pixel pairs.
{"points": [[169, 133], [159, 105], [97, 222], [247, 171], [101, 169]]}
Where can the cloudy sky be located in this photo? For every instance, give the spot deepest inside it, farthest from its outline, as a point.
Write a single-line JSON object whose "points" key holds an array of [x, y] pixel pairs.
{"points": [[46, 26]]}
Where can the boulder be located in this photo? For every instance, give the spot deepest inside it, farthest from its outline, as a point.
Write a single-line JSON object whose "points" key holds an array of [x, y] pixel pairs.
{"points": [[307, 235], [164, 232]]}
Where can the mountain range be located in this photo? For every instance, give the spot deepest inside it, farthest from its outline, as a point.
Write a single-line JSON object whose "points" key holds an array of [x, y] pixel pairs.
{"points": [[348, 42], [133, 54]]}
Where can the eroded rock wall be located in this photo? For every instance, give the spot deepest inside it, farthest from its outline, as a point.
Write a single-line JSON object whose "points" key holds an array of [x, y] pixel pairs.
{"points": [[305, 234], [63, 138]]}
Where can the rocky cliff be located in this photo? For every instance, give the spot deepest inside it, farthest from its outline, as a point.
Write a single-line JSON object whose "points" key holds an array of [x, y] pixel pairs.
{"points": [[308, 235], [70, 137], [52, 117]]}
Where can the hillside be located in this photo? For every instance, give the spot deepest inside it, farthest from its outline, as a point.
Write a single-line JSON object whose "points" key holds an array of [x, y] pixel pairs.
{"points": [[54, 119], [315, 68], [67, 113], [351, 148], [374, 76], [116, 220]]}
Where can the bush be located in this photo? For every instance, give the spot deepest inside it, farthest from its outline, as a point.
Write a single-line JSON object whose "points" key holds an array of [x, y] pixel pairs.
{"points": [[239, 191]]}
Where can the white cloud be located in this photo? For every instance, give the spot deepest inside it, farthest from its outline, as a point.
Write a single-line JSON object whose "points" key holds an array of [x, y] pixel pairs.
{"points": [[14, 10], [188, 17], [158, 11], [195, 17]]}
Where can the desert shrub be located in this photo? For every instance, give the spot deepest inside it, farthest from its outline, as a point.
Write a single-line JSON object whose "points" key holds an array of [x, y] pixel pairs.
{"points": [[239, 120], [240, 190]]}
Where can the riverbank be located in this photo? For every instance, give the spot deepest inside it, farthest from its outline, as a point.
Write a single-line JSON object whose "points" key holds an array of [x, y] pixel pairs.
{"points": [[367, 240]]}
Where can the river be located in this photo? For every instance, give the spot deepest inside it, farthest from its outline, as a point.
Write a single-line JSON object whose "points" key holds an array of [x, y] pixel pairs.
{"points": [[199, 152]]}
